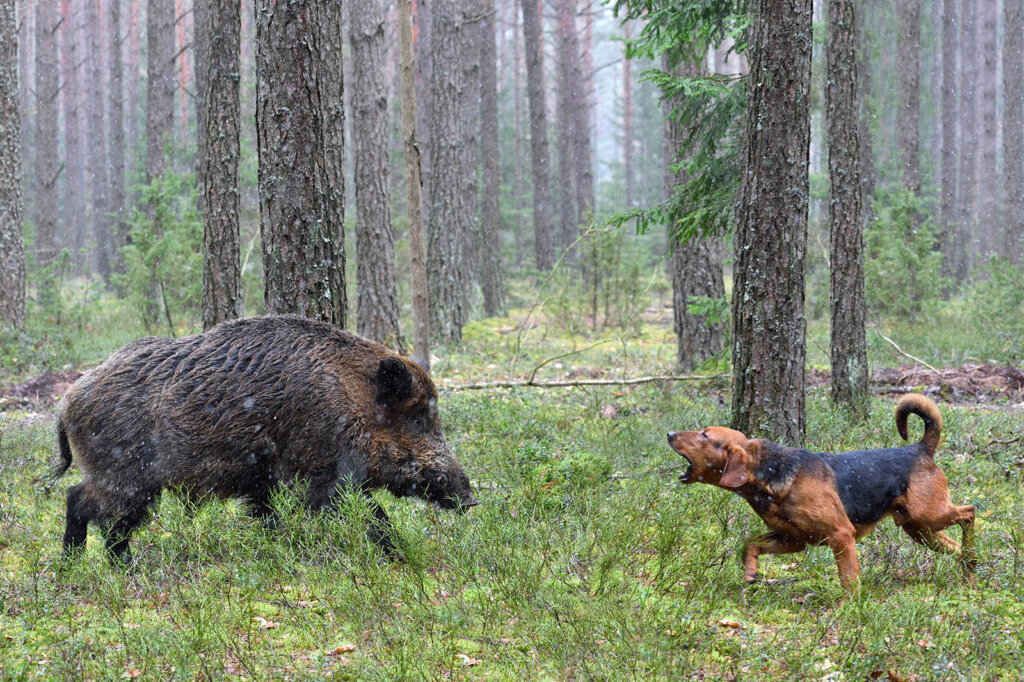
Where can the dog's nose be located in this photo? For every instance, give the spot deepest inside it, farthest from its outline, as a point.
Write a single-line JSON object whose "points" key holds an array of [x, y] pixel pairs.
{"points": [[671, 435]]}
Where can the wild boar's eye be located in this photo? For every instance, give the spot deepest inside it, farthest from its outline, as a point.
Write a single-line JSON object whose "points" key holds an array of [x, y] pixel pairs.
{"points": [[442, 480]]}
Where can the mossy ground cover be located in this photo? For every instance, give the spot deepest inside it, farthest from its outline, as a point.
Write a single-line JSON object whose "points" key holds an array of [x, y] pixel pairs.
{"points": [[586, 559]]}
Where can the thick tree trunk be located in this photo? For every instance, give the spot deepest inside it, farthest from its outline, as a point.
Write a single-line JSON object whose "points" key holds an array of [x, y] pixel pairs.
{"points": [[160, 84], [115, 111], [968, 136], [97, 176], [846, 245], [452, 190], [989, 236], [695, 267], [953, 248], [908, 48], [771, 228], [73, 225], [413, 188], [299, 128], [490, 235], [543, 225], [12, 253], [47, 166], [377, 312], [218, 167], [1013, 129]]}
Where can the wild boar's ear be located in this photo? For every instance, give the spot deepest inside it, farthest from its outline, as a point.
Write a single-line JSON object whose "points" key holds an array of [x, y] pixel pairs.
{"points": [[394, 381]]}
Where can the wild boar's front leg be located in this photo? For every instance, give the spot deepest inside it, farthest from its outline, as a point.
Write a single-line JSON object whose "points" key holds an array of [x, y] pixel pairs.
{"points": [[380, 530]]}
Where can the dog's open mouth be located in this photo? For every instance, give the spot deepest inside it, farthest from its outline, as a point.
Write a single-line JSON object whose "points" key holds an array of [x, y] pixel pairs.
{"points": [[685, 476]]}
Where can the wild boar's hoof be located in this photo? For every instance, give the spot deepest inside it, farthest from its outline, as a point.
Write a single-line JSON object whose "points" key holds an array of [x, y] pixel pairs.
{"points": [[245, 408]]}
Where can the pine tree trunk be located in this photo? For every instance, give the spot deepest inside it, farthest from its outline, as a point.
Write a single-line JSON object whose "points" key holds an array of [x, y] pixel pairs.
{"points": [[377, 312], [627, 119], [968, 136], [543, 225], [73, 224], [490, 235], [846, 245], [299, 128], [413, 188], [12, 253], [520, 137], [132, 35], [695, 267], [115, 110], [422, 21], [582, 88], [218, 167], [568, 210], [160, 84], [989, 214], [201, 63], [953, 248], [771, 228], [907, 123], [1013, 129], [865, 114], [47, 166], [452, 191], [97, 177]]}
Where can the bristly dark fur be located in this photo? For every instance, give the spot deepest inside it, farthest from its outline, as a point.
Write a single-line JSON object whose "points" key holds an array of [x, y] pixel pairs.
{"points": [[245, 407]]}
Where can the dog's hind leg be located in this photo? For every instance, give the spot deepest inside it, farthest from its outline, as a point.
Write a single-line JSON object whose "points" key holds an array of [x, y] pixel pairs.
{"points": [[769, 543]]}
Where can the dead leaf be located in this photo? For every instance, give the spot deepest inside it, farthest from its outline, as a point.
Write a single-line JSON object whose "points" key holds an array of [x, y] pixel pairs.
{"points": [[132, 674], [343, 649], [469, 661], [266, 624], [728, 623]]}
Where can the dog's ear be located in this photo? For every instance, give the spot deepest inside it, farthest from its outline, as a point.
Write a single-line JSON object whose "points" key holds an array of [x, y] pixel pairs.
{"points": [[735, 472]]}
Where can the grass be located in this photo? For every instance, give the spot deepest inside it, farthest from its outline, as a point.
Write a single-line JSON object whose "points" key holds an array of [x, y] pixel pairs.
{"points": [[584, 560]]}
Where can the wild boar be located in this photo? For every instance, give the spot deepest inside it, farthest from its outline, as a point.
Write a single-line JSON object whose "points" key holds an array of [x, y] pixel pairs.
{"points": [[248, 406]]}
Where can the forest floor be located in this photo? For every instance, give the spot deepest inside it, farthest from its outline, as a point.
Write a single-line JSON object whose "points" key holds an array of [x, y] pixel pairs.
{"points": [[586, 559]]}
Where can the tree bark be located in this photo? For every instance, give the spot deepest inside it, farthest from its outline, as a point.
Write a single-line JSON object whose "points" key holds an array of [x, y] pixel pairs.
{"points": [[218, 167], [627, 119], [490, 216], [160, 84], [413, 188], [1013, 129], [771, 228], [97, 177], [846, 244], [12, 253], [73, 225], [299, 128], [568, 52], [543, 225], [452, 189], [968, 136], [864, 115], [953, 248], [908, 48], [988, 241], [115, 109], [132, 86], [201, 64], [377, 312], [47, 167], [695, 267]]}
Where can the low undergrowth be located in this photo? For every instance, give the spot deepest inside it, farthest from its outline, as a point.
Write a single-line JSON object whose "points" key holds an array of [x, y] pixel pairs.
{"points": [[586, 559]]}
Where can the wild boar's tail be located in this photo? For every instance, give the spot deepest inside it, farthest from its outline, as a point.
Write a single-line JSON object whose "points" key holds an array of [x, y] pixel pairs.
{"points": [[915, 403], [62, 464]]}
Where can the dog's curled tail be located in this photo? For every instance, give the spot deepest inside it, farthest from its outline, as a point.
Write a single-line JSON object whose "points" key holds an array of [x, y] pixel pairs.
{"points": [[923, 407]]}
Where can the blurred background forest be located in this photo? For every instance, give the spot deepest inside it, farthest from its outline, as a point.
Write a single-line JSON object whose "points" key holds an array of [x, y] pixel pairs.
{"points": [[580, 166]]}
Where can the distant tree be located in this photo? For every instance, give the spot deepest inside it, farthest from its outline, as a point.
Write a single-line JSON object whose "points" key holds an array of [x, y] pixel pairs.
{"points": [[953, 248], [1013, 129], [96, 161], [490, 216], [160, 84], [132, 35], [73, 223], [695, 265], [377, 290], [299, 131], [567, 90], [627, 118], [771, 228], [582, 87], [47, 168], [846, 245], [413, 188], [115, 121], [12, 253], [200, 62], [543, 225], [452, 215], [968, 135], [865, 113], [222, 278], [989, 236], [908, 47]]}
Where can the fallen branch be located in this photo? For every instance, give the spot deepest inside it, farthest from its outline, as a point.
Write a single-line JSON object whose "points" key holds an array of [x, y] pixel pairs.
{"points": [[516, 383], [904, 353]]}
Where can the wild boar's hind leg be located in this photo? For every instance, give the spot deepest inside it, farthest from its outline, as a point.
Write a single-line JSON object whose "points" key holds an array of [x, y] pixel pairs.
{"points": [[119, 530], [77, 525]]}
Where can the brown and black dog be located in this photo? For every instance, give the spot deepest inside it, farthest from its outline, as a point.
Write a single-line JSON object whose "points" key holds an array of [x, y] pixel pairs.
{"points": [[812, 498]]}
